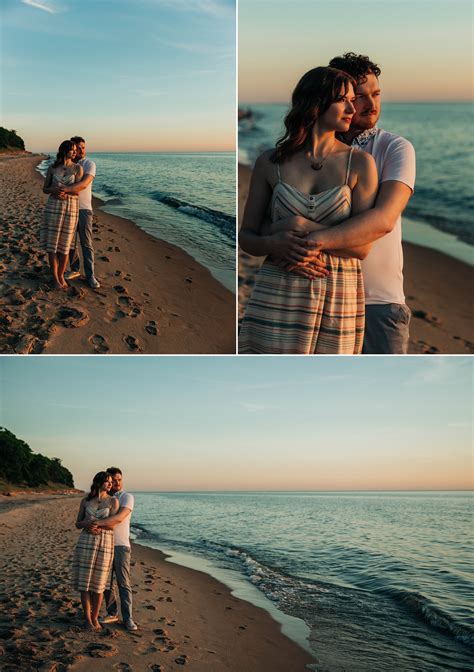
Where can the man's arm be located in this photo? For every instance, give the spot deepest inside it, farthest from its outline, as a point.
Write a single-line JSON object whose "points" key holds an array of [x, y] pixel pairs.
{"points": [[79, 186], [368, 226], [112, 521]]}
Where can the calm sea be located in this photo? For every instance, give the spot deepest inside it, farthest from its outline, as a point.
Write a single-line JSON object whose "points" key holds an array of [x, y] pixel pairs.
{"points": [[439, 214], [185, 199], [383, 581]]}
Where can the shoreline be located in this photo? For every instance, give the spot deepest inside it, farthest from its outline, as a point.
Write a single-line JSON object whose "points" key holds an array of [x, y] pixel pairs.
{"points": [[154, 297], [436, 289], [185, 616]]}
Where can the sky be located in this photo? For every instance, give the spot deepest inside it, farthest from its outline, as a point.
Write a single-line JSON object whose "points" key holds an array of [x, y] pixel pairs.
{"points": [[147, 75], [227, 423], [424, 47]]}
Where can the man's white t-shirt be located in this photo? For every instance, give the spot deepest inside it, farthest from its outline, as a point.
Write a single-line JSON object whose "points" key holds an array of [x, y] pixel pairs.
{"points": [[382, 269], [122, 530], [85, 196]]}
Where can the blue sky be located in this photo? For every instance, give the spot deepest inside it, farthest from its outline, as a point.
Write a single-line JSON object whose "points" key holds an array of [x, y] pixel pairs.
{"points": [[210, 423], [423, 46], [145, 75]]}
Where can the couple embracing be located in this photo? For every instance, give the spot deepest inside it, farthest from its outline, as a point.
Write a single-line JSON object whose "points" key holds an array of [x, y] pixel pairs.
{"points": [[324, 208], [68, 212], [103, 551]]}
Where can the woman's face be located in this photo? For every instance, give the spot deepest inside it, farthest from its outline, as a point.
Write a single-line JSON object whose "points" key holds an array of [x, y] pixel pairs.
{"points": [[106, 485], [72, 153], [339, 115]]}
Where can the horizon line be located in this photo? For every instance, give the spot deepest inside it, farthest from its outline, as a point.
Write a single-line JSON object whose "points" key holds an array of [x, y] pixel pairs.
{"points": [[306, 491], [396, 102]]}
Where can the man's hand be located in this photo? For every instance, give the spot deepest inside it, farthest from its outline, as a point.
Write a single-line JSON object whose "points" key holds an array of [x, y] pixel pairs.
{"points": [[291, 246], [92, 528]]}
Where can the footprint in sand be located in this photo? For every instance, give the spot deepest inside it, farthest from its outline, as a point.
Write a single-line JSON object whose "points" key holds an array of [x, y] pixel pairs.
{"points": [[155, 667], [98, 650], [72, 317], [132, 343], [120, 290], [99, 343], [427, 317], [181, 660], [128, 277], [151, 328], [104, 258], [123, 666]]}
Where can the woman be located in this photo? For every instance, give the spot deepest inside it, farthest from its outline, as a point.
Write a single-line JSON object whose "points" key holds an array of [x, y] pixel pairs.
{"points": [[94, 553], [310, 181], [61, 212]]}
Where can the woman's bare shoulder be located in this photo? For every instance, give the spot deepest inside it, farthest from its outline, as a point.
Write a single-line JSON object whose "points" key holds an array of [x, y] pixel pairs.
{"points": [[362, 160]]}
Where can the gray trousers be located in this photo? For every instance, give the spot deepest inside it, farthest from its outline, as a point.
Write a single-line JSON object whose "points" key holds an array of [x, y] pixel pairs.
{"points": [[84, 229], [386, 329], [121, 572]]}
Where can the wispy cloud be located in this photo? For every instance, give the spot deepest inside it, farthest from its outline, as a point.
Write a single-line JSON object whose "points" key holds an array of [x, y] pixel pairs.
{"points": [[213, 8], [41, 4]]}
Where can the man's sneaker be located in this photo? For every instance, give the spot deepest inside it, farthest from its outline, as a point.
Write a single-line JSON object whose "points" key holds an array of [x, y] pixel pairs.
{"points": [[72, 275], [110, 618], [130, 625], [94, 283]]}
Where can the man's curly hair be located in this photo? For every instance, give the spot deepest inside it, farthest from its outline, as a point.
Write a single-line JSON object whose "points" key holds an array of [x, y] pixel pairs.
{"points": [[357, 66]]}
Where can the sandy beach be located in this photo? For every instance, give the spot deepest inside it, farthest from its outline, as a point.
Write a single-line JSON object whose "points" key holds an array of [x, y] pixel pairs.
{"points": [[185, 617], [154, 297], [437, 289]]}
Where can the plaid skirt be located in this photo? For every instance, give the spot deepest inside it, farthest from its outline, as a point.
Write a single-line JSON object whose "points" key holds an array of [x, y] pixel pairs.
{"points": [[92, 561], [59, 224], [289, 314]]}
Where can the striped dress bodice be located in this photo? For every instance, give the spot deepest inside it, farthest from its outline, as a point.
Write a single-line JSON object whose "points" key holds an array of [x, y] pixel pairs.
{"points": [[328, 207]]}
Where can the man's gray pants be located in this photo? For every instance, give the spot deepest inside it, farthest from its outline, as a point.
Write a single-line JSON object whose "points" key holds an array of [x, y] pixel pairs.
{"points": [[84, 229], [121, 571], [386, 329]]}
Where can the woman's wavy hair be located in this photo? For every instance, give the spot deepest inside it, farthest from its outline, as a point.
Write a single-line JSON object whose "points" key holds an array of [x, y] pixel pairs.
{"points": [[98, 480], [64, 148], [314, 93]]}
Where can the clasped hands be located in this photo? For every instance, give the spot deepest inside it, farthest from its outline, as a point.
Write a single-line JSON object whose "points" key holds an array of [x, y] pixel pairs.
{"points": [[92, 528], [58, 193], [296, 249]]}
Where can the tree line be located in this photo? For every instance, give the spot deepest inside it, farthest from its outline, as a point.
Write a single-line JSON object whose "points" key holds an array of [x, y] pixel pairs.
{"points": [[10, 140], [20, 466]]}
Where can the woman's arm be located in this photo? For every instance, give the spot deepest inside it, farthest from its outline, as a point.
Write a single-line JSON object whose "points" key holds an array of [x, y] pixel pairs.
{"points": [[79, 173], [81, 516], [283, 244]]}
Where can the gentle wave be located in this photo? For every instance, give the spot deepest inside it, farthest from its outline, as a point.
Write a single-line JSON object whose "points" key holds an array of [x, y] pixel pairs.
{"points": [[432, 614], [220, 219]]}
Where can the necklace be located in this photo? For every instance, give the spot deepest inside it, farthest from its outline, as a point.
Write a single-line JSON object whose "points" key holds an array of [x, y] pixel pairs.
{"points": [[317, 165]]}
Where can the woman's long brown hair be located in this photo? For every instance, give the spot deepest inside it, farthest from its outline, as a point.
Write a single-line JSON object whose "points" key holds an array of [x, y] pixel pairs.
{"points": [[314, 93], [98, 480]]}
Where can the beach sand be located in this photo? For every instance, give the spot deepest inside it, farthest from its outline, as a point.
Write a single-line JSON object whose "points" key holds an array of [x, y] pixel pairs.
{"points": [[437, 288], [154, 297], [186, 618]]}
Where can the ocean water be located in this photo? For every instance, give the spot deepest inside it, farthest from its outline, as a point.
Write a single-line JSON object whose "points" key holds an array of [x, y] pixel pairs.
{"points": [[384, 581], [443, 139], [185, 199]]}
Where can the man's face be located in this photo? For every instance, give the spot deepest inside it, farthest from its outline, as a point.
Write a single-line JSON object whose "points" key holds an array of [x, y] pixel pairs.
{"points": [[116, 482], [80, 150], [367, 104]]}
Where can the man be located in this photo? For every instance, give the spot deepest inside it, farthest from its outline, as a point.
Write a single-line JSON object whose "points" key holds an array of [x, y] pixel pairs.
{"points": [[387, 316], [120, 524], [84, 190]]}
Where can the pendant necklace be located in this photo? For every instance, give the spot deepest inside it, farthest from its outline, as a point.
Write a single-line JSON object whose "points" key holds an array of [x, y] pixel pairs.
{"points": [[317, 165]]}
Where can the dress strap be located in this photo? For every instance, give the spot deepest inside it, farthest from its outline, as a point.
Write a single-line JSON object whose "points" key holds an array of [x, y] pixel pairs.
{"points": [[349, 165], [278, 172]]}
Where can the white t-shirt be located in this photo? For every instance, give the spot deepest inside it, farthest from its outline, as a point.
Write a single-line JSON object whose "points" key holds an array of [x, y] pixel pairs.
{"points": [[85, 196], [122, 530], [382, 269]]}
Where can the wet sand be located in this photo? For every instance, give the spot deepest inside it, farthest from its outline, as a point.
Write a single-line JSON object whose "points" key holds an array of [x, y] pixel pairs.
{"points": [[437, 289], [154, 297], [185, 618]]}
